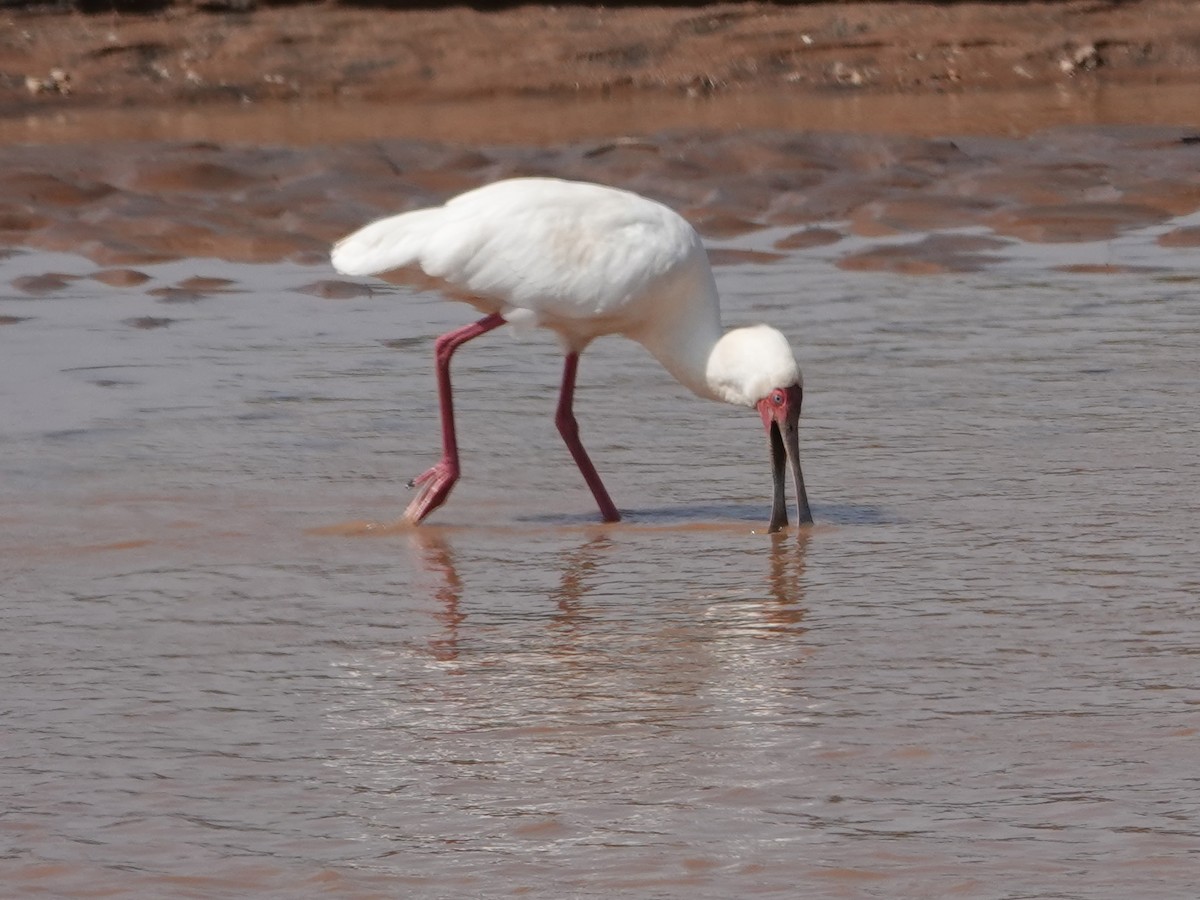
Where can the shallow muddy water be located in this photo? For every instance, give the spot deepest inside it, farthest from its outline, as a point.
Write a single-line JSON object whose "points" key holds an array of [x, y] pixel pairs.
{"points": [[975, 676], [539, 120]]}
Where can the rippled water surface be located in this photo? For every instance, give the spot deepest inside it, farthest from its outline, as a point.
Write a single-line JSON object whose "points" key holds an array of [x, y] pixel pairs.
{"points": [[976, 676]]}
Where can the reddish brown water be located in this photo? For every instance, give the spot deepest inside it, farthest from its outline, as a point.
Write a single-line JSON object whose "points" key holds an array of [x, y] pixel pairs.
{"points": [[533, 120], [976, 676]]}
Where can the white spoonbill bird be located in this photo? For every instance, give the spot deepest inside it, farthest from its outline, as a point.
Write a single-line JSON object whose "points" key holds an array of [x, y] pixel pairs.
{"points": [[585, 260]]}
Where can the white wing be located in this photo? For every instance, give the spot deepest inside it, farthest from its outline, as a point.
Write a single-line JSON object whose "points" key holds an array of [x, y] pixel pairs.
{"points": [[565, 250]]}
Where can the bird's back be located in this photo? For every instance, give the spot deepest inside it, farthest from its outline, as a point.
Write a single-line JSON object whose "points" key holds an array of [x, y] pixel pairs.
{"points": [[583, 259]]}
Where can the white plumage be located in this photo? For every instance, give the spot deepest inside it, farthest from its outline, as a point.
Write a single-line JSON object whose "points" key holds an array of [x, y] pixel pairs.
{"points": [[582, 260]]}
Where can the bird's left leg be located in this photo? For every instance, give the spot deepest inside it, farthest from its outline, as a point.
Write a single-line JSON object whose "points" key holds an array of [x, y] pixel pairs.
{"points": [[435, 483], [569, 429]]}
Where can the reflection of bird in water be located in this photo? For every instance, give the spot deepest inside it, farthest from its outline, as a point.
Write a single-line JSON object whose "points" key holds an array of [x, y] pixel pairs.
{"points": [[582, 569], [584, 261], [787, 582], [438, 559], [579, 566]]}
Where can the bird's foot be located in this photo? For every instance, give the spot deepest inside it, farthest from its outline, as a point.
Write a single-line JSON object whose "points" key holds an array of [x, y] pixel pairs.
{"points": [[434, 486]]}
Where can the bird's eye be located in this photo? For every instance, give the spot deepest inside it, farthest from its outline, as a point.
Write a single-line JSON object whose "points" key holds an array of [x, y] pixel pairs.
{"points": [[777, 398]]}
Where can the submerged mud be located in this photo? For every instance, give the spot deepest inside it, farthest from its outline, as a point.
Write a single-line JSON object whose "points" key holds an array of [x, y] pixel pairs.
{"points": [[125, 204]]}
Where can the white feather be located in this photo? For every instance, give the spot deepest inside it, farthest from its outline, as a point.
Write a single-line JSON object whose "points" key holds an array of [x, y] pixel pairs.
{"points": [[582, 260], [390, 243]]}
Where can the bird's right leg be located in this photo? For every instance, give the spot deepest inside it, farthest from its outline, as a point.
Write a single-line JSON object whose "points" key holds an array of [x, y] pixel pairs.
{"points": [[569, 429], [435, 483]]}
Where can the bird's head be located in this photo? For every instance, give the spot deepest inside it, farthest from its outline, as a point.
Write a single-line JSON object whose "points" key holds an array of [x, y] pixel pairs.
{"points": [[756, 367], [780, 411]]}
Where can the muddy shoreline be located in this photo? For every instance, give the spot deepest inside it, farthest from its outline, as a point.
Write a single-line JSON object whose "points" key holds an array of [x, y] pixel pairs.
{"points": [[209, 53]]}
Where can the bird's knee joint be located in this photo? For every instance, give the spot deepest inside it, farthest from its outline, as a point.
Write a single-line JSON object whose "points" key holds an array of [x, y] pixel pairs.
{"points": [[567, 426]]}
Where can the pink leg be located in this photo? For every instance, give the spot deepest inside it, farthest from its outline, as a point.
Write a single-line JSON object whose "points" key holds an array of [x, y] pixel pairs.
{"points": [[567, 427], [435, 483]]}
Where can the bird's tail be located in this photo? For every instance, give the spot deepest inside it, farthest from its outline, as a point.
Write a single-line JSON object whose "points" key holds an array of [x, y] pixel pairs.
{"points": [[384, 244]]}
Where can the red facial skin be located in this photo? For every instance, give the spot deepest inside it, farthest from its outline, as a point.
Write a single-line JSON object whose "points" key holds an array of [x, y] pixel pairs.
{"points": [[781, 403]]}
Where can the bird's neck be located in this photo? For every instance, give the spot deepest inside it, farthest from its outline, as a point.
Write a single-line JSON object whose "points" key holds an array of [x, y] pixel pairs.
{"points": [[686, 328], [740, 366], [687, 361], [684, 350]]}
